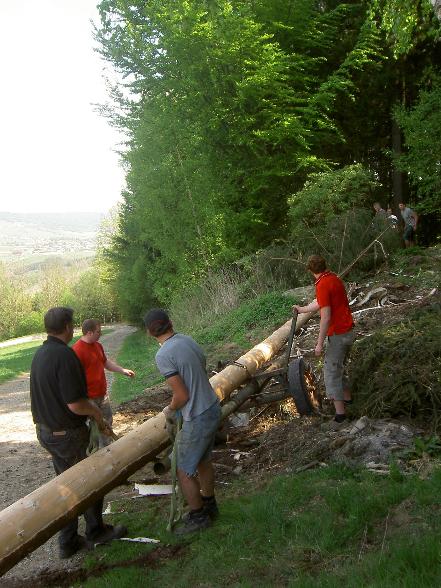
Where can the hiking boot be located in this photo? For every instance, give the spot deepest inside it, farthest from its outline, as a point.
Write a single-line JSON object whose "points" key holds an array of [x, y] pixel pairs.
{"points": [[194, 521], [108, 533], [210, 507], [78, 544]]}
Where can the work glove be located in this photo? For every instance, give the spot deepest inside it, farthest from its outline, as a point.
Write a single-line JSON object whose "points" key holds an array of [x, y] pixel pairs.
{"points": [[171, 423]]}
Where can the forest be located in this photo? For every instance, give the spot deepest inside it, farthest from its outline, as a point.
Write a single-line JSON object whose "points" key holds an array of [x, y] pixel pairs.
{"points": [[262, 130], [259, 132]]}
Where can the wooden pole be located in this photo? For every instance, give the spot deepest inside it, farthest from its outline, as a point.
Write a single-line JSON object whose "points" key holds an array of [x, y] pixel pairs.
{"points": [[247, 365], [29, 522]]}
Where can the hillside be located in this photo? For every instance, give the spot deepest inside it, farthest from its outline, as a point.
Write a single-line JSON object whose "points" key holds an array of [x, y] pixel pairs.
{"points": [[30, 235], [356, 506]]}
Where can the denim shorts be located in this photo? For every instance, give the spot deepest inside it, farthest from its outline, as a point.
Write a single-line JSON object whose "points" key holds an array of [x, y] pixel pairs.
{"points": [[195, 440], [336, 356]]}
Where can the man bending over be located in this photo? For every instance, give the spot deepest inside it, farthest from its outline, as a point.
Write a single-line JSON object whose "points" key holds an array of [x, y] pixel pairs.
{"points": [[182, 362]]}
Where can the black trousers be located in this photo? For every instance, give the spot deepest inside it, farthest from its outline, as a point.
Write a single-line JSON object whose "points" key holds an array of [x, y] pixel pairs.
{"points": [[67, 450]]}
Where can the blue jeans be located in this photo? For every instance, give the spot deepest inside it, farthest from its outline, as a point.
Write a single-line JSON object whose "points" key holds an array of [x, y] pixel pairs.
{"points": [[66, 450], [195, 440]]}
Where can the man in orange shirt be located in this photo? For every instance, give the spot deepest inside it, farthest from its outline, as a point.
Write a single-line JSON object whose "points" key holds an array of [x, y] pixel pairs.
{"points": [[93, 359], [336, 325]]}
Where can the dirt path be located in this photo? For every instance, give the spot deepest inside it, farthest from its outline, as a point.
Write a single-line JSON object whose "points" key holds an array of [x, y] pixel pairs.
{"points": [[24, 465]]}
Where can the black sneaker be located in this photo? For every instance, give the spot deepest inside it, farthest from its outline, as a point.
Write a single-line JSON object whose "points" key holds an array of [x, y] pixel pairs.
{"points": [[192, 522], [108, 533], [78, 544]]}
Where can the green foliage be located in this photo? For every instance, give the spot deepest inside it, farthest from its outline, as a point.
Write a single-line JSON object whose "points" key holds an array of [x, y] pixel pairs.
{"points": [[421, 126], [405, 23], [428, 446], [397, 370], [29, 324], [326, 218], [15, 305], [328, 194], [249, 320], [229, 107], [91, 297], [220, 291]]}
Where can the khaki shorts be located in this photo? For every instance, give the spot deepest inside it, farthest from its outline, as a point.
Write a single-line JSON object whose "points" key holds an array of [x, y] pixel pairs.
{"points": [[103, 403], [336, 357]]}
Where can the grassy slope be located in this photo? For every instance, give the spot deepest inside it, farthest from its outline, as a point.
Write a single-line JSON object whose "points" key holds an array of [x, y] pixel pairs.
{"points": [[16, 360], [243, 327], [330, 528], [137, 353]]}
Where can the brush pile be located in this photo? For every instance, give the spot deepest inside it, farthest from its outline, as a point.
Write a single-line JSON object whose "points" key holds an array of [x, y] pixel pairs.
{"points": [[397, 370]]}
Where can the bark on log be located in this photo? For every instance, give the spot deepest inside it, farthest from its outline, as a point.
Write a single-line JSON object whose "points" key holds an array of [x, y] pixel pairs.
{"points": [[233, 376], [29, 522]]}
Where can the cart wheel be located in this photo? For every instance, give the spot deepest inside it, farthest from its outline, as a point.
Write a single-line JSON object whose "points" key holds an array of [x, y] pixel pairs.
{"points": [[297, 387]]}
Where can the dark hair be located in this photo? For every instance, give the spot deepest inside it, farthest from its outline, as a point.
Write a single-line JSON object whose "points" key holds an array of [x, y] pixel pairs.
{"points": [[90, 325], [316, 264], [56, 319], [157, 322]]}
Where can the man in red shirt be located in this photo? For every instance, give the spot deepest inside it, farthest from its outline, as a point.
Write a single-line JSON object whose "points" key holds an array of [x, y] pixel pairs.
{"points": [[93, 359], [336, 325]]}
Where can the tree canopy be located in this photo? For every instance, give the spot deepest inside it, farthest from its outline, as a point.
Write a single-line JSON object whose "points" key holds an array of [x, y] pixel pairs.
{"points": [[230, 106]]}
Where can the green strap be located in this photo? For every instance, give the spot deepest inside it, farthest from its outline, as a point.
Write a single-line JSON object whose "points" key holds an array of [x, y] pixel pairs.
{"points": [[94, 437], [176, 500]]}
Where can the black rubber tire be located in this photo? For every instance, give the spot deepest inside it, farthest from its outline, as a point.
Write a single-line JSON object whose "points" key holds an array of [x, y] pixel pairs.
{"points": [[297, 387]]}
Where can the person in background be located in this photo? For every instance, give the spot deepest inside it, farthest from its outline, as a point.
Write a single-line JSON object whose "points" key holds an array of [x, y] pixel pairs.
{"points": [[93, 359], [392, 218], [410, 219], [60, 409], [336, 327], [379, 211], [182, 362]]}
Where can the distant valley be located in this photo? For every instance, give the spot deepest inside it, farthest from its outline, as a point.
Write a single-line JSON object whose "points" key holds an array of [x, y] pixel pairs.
{"points": [[41, 235]]}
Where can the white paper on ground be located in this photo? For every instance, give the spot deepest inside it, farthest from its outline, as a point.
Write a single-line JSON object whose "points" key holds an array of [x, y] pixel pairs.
{"points": [[139, 539], [153, 489]]}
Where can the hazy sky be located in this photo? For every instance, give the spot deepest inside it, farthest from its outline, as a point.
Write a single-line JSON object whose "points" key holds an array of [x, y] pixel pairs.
{"points": [[56, 153]]}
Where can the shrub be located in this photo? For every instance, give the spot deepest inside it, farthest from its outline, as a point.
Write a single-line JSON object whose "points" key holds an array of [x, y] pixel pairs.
{"points": [[328, 194], [397, 371], [29, 324]]}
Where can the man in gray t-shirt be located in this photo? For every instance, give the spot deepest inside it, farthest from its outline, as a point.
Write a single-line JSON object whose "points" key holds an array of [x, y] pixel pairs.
{"points": [[182, 362], [410, 219]]}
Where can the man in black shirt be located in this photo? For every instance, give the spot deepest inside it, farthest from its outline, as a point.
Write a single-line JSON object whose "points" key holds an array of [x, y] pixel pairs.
{"points": [[60, 409]]}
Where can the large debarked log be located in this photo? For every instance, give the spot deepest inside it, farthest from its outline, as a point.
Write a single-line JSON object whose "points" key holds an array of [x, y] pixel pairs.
{"points": [[29, 522]]}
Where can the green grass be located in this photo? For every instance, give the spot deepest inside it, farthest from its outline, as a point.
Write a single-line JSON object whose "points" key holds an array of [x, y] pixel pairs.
{"points": [[417, 266], [330, 528], [137, 353], [250, 321], [16, 359]]}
